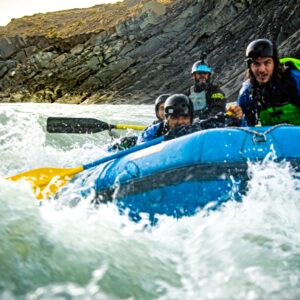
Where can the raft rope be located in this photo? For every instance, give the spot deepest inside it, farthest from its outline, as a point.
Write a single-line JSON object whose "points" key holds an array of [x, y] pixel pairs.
{"points": [[261, 136]]}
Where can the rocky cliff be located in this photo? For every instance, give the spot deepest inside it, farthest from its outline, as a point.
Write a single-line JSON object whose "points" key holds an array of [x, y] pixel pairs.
{"points": [[132, 51]]}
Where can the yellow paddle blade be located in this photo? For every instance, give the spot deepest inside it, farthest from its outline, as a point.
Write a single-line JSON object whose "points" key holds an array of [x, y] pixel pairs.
{"points": [[125, 126], [47, 181]]}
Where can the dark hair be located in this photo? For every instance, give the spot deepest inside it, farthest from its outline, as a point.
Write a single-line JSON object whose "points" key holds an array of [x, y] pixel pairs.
{"points": [[159, 100], [277, 73], [262, 48]]}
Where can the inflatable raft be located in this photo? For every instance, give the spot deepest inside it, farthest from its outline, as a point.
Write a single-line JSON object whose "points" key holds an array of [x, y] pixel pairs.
{"points": [[180, 176]]}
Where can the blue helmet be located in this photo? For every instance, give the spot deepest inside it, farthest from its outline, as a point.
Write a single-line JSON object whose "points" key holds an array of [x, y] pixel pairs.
{"points": [[201, 66]]}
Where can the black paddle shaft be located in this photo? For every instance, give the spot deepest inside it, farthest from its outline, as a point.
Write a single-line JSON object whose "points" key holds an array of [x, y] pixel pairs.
{"points": [[76, 125]]}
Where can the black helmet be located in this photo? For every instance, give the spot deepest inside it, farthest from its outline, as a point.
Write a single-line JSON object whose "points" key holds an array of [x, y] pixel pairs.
{"points": [[261, 48], [159, 100], [179, 105]]}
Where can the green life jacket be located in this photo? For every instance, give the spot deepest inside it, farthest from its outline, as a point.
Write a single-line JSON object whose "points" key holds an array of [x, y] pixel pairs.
{"points": [[287, 113], [292, 61]]}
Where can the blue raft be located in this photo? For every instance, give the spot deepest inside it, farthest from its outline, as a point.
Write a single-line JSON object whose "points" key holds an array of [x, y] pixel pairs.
{"points": [[180, 176]]}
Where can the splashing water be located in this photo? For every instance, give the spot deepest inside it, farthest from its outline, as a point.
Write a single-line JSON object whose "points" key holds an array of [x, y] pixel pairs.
{"points": [[248, 250]]}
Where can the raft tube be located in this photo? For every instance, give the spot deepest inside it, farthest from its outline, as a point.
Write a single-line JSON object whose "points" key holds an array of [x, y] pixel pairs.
{"points": [[181, 176]]}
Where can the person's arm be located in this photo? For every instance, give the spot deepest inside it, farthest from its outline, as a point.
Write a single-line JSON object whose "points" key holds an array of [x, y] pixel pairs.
{"points": [[248, 107], [216, 102], [149, 133], [124, 143], [295, 74]]}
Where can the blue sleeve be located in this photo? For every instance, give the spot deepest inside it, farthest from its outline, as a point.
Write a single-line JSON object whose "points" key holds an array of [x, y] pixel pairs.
{"points": [[244, 100], [296, 77], [244, 95], [148, 134]]}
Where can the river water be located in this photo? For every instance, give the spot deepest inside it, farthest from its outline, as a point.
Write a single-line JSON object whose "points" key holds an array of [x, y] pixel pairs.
{"points": [[248, 250]]}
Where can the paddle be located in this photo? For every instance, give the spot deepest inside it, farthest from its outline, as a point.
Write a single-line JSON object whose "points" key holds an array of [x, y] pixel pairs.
{"points": [[47, 181], [83, 125]]}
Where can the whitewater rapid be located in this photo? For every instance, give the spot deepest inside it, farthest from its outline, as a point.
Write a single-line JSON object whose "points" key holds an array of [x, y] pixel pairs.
{"points": [[50, 250]]}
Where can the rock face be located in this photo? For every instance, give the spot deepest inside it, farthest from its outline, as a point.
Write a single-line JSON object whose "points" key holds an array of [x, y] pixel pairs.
{"points": [[147, 52]]}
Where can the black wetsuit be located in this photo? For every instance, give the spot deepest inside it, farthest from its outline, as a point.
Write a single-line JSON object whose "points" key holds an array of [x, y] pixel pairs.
{"points": [[208, 100]]}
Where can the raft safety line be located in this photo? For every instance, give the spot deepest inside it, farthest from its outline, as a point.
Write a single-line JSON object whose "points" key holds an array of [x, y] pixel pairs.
{"points": [[262, 135]]}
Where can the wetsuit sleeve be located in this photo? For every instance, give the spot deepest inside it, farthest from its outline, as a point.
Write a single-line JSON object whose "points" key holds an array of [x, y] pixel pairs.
{"points": [[216, 102]]}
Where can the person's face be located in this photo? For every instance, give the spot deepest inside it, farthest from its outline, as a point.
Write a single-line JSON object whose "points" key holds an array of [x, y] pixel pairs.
{"points": [[174, 121], [161, 111], [201, 77], [262, 69]]}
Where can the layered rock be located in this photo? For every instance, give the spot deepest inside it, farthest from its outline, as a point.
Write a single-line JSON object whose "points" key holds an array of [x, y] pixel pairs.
{"points": [[142, 49]]}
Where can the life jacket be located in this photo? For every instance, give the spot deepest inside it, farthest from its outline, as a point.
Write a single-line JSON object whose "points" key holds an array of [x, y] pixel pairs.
{"points": [[286, 113], [291, 62], [198, 99]]}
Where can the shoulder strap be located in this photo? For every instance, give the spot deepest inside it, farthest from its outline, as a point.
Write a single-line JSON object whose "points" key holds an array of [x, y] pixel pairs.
{"points": [[291, 61]]}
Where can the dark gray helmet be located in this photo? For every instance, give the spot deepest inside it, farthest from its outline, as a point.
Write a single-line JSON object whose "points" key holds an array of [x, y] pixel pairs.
{"points": [[179, 105], [261, 48], [159, 100]]}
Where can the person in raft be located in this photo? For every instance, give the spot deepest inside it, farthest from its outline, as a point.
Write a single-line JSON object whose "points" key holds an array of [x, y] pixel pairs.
{"points": [[160, 108], [271, 93], [208, 99], [179, 120], [130, 141]]}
